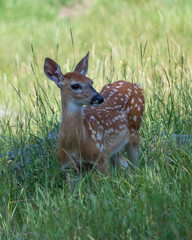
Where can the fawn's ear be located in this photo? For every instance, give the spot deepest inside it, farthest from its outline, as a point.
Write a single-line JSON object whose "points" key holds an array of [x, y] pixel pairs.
{"points": [[53, 71], [82, 66]]}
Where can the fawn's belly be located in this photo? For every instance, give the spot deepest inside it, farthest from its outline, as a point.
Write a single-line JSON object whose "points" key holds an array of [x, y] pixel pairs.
{"points": [[118, 142]]}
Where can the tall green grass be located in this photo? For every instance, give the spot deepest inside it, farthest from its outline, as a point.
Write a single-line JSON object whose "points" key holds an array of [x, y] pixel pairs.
{"points": [[140, 41]]}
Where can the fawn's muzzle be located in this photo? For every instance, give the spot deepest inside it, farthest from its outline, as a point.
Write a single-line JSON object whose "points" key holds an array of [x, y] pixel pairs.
{"points": [[97, 99]]}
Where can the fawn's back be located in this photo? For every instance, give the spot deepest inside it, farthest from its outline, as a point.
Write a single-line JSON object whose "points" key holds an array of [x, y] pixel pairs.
{"points": [[117, 121]]}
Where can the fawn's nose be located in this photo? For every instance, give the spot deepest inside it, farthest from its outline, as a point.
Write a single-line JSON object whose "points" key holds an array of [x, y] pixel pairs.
{"points": [[100, 99], [97, 99]]}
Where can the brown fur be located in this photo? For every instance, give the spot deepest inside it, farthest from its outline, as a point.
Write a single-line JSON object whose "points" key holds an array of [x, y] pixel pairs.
{"points": [[93, 134]]}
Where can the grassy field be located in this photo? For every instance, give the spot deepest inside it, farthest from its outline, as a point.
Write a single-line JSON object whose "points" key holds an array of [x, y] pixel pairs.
{"points": [[141, 41]]}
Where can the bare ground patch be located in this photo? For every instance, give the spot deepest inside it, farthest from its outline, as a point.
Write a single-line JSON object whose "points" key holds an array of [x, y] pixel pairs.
{"points": [[75, 10]]}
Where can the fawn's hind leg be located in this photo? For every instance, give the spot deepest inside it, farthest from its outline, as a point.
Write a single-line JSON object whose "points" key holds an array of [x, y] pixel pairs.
{"points": [[133, 151], [118, 159]]}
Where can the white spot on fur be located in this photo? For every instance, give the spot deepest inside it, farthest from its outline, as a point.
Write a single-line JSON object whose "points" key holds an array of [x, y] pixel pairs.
{"points": [[122, 126], [99, 136], [93, 137], [100, 146], [111, 130]]}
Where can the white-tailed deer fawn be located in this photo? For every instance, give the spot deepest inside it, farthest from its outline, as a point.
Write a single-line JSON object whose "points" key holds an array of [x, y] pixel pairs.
{"points": [[109, 121]]}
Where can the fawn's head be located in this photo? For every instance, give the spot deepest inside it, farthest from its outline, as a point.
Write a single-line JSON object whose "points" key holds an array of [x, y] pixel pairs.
{"points": [[75, 87]]}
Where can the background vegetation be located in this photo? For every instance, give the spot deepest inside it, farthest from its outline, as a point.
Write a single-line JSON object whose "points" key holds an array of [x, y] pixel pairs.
{"points": [[141, 41]]}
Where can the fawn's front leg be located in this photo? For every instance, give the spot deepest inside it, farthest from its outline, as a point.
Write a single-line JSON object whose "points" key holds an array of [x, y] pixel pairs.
{"points": [[63, 157], [103, 165]]}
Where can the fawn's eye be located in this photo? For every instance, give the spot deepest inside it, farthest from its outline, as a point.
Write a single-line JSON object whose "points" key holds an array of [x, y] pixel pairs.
{"points": [[75, 86]]}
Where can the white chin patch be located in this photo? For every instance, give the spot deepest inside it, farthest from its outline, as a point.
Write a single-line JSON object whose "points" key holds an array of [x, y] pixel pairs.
{"points": [[74, 108], [96, 104]]}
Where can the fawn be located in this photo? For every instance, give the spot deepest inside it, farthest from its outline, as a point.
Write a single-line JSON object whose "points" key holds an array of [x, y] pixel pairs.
{"points": [[109, 121]]}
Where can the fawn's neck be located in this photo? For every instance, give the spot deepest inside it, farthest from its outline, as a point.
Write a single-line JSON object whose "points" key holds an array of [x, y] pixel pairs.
{"points": [[69, 106], [72, 117]]}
